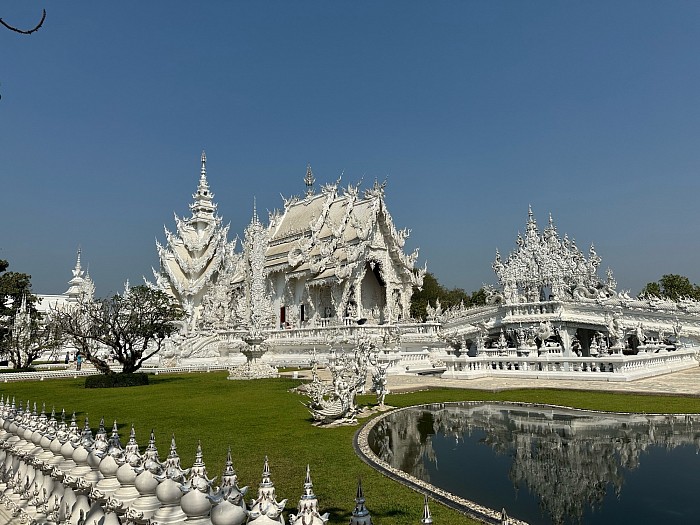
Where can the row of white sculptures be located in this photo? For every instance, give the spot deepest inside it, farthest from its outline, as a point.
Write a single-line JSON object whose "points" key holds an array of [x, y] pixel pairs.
{"points": [[54, 473]]}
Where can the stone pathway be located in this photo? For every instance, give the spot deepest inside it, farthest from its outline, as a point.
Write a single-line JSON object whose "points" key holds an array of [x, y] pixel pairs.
{"points": [[686, 382]]}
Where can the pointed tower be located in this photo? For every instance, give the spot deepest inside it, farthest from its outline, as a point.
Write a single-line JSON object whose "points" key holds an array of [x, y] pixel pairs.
{"points": [[427, 518], [309, 181], [266, 508], [360, 516], [255, 246], [80, 284], [194, 256]]}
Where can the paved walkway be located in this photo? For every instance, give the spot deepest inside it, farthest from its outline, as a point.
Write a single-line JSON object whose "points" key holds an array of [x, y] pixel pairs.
{"points": [[686, 382]]}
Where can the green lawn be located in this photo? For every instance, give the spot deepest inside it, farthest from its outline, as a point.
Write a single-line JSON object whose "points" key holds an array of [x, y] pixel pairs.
{"points": [[259, 418]]}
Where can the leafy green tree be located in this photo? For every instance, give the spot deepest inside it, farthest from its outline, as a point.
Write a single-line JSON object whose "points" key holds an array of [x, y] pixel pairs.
{"points": [[13, 287], [432, 291], [132, 327], [672, 286]]}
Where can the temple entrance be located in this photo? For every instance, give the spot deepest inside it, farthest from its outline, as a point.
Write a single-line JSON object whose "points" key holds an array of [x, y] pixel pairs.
{"points": [[373, 293]]}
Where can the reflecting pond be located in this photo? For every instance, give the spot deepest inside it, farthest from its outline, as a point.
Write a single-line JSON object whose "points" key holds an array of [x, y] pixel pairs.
{"points": [[551, 465]]}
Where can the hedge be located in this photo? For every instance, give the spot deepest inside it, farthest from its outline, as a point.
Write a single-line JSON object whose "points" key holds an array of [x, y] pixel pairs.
{"points": [[116, 380]]}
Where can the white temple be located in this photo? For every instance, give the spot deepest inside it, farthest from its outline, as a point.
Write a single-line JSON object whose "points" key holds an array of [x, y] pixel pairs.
{"points": [[331, 261], [329, 271]]}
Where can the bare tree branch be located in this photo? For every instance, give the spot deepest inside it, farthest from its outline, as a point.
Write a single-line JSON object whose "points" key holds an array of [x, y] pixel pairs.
{"points": [[26, 31]]}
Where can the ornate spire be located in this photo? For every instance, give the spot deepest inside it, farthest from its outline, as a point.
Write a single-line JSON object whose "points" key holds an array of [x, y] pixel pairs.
{"points": [[255, 219], [86, 438], [308, 486], [198, 479], [308, 506], [266, 503], [80, 284], [266, 482], [115, 445], [151, 461], [131, 451], [77, 271], [203, 207], [360, 516], [427, 518], [171, 465], [309, 180]]}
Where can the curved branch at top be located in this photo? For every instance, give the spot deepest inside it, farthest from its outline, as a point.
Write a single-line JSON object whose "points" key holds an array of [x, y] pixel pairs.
{"points": [[26, 31]]}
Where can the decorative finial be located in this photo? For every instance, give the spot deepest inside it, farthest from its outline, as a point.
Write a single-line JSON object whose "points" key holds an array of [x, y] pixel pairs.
{"points": [[308, 486], [203, 172], [427, 518], [266, 474], [173, 447], [309, 181], [199, 457], [360, 509], [255, 219], [229, 463]]}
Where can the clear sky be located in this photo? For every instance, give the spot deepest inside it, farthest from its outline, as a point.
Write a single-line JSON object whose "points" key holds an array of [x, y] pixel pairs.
{"points": [[471, 110]]}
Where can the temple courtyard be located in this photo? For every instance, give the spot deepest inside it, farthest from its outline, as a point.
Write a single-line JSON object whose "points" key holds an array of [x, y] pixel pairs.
{"points": [[264, 418]]}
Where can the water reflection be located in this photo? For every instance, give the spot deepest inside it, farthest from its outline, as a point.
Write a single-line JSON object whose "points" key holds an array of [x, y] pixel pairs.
{"points": [[569, 460]]}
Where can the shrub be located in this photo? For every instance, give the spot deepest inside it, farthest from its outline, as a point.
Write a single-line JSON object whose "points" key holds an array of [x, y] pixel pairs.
{"points": [[115, 380]]}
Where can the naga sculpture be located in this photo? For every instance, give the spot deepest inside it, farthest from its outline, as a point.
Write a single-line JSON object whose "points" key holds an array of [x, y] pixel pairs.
{"points": [[336, 402]]}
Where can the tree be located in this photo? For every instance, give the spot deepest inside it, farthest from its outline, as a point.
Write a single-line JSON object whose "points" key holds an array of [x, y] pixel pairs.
{"points": [[13, 287], [132, 327], [26, 31], [15, 294], [432, 291], [672, 286], [29, 337]]}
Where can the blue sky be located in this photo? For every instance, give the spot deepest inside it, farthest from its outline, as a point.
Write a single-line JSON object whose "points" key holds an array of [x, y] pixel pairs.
{"points": [[470, 110]]}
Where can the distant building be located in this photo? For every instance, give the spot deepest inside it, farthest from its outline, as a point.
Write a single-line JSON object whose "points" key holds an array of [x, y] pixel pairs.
{"points": [[79, 285]]}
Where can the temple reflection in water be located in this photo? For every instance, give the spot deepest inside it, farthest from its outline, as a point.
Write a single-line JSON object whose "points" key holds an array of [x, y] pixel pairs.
{"points": [[569, 460]]}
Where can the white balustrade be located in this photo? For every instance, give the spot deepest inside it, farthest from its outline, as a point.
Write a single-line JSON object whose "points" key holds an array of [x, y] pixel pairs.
{"points": [[614, 367]]}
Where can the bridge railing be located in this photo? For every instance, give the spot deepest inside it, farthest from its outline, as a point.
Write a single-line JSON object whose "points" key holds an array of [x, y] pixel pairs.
{"points": [[605, 368]]}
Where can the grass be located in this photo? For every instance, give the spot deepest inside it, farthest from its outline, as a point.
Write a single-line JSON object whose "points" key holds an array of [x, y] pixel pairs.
{"points": [[259, 418]]}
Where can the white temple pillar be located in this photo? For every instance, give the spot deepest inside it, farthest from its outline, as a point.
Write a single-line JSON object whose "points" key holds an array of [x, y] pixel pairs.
{"points": [[567, 335]]}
